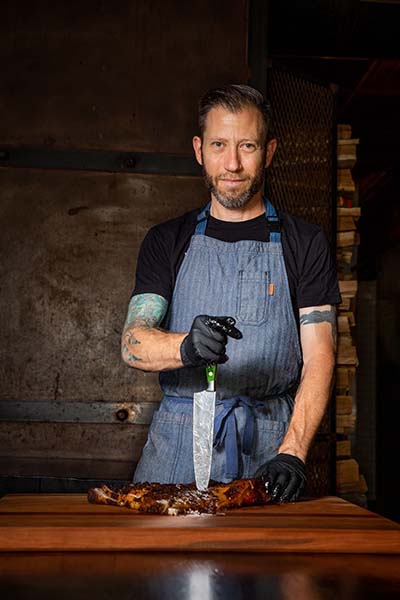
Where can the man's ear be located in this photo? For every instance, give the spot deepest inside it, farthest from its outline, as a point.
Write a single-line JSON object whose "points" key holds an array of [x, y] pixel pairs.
{"points": [[197, 149], [271, 147]]}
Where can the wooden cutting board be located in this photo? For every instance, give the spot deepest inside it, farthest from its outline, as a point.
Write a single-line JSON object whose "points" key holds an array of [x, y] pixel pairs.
{"points": [[67, 522]]}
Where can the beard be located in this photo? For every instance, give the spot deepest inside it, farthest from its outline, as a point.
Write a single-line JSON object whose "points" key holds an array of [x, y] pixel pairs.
{"points": [[234, 199]]}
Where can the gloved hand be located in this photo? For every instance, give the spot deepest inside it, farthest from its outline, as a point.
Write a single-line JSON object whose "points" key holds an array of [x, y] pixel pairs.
{"points": [[284, 477], [207, 339]]}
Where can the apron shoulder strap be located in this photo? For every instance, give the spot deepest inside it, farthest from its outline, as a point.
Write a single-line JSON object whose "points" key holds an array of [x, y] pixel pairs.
{"points": [[202, 220], [274, 222]]}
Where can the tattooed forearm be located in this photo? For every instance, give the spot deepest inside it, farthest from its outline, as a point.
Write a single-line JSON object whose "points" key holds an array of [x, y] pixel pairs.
{"points": [[145, 311], [129, 340], [321, 316]]}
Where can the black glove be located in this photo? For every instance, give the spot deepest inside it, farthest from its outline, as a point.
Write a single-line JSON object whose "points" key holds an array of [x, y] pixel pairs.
{"points": [[207, 339], [284, 477]]}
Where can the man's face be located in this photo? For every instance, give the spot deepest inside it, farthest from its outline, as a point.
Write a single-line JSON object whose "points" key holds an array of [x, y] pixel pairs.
{"points": [[233, 155]]}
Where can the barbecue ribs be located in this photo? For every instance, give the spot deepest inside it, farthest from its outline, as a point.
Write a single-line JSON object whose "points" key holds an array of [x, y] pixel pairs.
{"points": [[182, 499]]}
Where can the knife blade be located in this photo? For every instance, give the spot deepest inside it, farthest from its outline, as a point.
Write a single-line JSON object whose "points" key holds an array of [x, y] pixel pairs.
{"points": [[203, 429]]}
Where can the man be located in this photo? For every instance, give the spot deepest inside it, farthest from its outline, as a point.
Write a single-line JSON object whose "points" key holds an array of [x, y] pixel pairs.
{"points": [[272, 276]]}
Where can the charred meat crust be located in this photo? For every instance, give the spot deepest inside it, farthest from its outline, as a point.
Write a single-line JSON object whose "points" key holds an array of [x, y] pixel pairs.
{"points": [[181, 499]]}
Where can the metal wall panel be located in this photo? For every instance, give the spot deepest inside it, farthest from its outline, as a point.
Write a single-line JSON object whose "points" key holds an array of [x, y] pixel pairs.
{"points": [[67, 263], [70, 441], [53, 411], [27, 469], [121, 75]]}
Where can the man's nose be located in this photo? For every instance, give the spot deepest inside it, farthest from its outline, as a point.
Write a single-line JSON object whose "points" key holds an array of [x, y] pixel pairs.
{"points": [[232, 159]]}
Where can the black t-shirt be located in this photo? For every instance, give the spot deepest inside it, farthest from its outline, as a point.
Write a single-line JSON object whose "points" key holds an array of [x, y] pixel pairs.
{"points": [[309, 265]]}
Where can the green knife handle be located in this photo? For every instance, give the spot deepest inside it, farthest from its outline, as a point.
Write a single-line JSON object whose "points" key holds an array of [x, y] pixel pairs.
{"points": [[211, 374]]}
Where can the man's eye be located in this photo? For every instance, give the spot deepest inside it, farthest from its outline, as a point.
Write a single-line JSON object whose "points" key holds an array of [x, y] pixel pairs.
{"points": [[249, 146], [217, 144]]}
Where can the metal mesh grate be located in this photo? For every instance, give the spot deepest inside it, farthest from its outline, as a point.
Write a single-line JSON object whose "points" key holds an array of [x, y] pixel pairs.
{"points": [[300, 180], [319, 469]]}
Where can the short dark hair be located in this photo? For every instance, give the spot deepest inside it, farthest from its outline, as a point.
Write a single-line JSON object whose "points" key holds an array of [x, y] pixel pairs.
{"points": [[234, 97]]}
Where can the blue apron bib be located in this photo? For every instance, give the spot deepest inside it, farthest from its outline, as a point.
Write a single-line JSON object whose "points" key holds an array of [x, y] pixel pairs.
{"points": [[246, 280]]}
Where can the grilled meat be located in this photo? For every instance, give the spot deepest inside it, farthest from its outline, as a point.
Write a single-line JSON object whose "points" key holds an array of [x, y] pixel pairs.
{"points": [[182, 499]]}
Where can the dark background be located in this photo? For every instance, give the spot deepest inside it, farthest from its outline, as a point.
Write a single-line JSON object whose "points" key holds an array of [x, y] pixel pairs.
{"points": [[354, 45], [125, 78]]}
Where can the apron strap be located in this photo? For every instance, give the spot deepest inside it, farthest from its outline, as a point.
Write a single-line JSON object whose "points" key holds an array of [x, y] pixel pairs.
{"points": [[274, 222], [202, 219], [226, 431]]}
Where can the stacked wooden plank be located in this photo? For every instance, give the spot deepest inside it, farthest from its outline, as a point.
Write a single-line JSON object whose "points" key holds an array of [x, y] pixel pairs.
{"points": [[348, 477]]}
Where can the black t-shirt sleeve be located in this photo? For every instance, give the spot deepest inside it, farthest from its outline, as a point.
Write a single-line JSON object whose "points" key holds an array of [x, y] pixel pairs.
{"points": [[317, 278], [153, 269], [161, 254]]}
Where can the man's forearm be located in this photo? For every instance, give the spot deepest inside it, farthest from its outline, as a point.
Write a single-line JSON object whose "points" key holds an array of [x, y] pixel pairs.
{"points": [[144, 345], [151, 349], [310, 404]]}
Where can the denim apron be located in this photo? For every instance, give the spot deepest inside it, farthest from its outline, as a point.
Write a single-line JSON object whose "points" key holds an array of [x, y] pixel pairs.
{"points": [[246, 280]]}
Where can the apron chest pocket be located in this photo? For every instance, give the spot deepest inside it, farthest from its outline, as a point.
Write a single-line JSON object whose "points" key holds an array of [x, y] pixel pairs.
{"points": [[252, 297]]}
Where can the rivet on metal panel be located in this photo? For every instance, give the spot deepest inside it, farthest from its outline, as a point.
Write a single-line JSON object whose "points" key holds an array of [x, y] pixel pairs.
{"points": [[122, 414], [129, 163]]}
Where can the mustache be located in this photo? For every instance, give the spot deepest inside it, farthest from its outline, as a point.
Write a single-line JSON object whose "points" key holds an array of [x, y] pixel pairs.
{"points": [[229, 176]]}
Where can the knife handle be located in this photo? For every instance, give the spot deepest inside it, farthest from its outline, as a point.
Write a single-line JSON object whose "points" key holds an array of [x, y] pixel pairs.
{"points": [[211, 374]]}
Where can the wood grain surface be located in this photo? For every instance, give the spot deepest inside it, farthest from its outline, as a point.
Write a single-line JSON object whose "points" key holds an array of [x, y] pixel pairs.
{"points": [[67, 522]]}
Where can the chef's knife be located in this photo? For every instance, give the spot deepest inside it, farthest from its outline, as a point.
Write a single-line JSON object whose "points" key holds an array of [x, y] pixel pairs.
{"points": [[203, 429]]}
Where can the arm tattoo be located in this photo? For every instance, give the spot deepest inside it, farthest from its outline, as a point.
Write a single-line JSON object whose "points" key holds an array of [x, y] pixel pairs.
{"points": [[145, 311], [129, 340], [321, 316]]}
